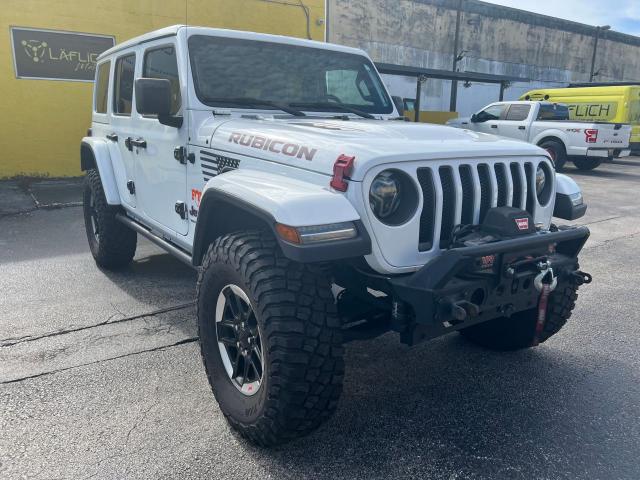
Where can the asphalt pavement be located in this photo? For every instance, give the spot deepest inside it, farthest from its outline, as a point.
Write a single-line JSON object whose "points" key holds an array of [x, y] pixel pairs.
{"points": [[100, 373]]}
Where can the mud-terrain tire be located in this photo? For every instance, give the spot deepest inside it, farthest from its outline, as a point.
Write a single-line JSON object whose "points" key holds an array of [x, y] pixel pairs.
{"points": [[557, 151], [587, 163], [112, 243], [290, 313], [518, 331]]}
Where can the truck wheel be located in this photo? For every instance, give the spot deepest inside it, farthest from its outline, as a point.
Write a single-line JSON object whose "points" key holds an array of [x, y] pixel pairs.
{"points": [[270, 338], [557, 151], [587, 163], [517, 332], [112, 243]]}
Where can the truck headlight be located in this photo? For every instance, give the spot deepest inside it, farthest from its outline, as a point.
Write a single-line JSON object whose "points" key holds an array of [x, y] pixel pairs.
{"points": [[393, 197], [544, 183], [541, 180]]}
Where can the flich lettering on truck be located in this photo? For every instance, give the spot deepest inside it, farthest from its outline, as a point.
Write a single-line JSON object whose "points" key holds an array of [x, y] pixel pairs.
{"points": [[316, 217]]}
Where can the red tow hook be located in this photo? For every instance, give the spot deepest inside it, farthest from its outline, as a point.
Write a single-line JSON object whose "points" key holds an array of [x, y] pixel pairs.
{"points": [[342, 169]]}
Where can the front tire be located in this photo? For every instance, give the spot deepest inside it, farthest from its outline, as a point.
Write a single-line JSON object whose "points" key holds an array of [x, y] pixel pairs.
{"points": [[112, 243], [288, 311], [557, 152], [587, 163], [518, 331]]}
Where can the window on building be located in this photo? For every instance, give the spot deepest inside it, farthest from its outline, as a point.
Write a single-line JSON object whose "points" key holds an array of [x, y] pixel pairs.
{"points": [[123, 84], [518, 112], [161, 63], [102, 87]]}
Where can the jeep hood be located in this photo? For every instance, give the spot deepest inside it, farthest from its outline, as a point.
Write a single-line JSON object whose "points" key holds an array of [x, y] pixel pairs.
{"points": [[315, 144]]}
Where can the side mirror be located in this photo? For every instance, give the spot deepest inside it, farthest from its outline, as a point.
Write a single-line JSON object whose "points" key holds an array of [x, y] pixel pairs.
{"points": [[474, 118], [153, 97], [399, 103]]}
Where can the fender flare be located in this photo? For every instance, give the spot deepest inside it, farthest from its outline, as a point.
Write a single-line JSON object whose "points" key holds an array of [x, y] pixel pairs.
{"points": [[236, 202], [94, 153]]}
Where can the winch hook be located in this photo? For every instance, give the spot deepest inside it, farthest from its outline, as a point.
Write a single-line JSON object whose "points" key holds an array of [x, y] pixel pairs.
{"points": [[545, 271]]}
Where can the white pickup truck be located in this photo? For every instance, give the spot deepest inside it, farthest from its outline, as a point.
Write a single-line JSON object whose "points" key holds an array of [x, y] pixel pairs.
{"points": [[547, 125]]}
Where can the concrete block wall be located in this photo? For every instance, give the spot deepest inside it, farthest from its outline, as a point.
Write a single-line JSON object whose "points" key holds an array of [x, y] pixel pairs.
{"points": [[498, 40]]}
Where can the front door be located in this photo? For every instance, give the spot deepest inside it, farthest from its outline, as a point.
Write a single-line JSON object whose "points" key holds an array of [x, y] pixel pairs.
{"points": [[487, 120], [161, 179]]}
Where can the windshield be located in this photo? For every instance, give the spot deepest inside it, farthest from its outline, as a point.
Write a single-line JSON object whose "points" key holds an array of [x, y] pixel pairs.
{"points": [[226, 70]]}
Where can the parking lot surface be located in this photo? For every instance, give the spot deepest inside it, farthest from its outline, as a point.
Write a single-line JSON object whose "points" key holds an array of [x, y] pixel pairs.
{"points": [[100, 374]]}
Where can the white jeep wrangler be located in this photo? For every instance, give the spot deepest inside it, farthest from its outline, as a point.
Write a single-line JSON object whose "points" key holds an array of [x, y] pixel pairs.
{"points": [[280, 168]]}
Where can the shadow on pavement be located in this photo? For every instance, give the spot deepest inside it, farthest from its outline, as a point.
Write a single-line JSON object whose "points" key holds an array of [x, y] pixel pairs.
{"points": [[433, 410]]}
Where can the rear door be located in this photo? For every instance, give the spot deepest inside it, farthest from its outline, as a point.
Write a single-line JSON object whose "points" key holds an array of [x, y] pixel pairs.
{"points": [[161, 178], [516, 121]]}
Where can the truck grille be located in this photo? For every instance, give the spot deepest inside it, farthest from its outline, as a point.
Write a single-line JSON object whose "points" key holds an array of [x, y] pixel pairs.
{"points": [[468, 192]]}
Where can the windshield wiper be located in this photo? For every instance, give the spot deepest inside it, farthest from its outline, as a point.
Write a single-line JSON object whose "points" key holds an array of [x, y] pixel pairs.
{"points": [[256, 102], [333, 106]]}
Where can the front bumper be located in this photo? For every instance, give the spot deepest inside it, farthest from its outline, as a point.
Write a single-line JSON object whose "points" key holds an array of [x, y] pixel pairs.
{"points": [[452, 279]]}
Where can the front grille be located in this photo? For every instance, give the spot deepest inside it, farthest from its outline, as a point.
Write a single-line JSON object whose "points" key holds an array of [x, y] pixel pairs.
{"points": [[482, 186]]}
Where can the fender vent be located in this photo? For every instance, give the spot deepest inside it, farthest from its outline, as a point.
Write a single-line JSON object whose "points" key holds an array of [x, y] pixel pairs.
{"points": [[213, 164]]}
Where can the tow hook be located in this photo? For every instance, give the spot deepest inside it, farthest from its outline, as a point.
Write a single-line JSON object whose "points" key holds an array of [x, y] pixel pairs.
{"points": [[581, 278], [545, 277]]}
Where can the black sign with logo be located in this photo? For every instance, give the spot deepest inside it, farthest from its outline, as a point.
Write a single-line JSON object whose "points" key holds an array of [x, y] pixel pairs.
{"points": [[54, 55]]}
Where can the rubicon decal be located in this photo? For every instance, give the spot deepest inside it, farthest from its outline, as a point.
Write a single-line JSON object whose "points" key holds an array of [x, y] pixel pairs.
{"points": [[273, 145], [522, 223]]}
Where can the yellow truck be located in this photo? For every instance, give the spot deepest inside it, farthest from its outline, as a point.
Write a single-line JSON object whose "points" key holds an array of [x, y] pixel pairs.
{"points": [[602, 103]]}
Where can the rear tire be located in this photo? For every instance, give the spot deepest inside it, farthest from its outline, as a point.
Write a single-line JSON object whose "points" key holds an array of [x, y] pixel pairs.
{"points": [[587, 163], [518, 331], [112, 243], [289, 310], [557, 151]]}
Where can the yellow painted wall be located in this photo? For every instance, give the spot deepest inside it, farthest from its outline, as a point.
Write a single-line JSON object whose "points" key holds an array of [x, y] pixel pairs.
{"points": [[431, 116], [43, 120]]}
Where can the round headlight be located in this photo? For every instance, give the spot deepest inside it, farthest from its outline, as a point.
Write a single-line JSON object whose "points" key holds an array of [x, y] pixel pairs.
{"points": [[541, 180], [393, 197], [385, 194]]}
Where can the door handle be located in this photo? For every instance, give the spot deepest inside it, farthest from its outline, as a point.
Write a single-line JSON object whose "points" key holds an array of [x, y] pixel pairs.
{"points": [[138, 143], [113, 137], [522, 127], [494, 126]]}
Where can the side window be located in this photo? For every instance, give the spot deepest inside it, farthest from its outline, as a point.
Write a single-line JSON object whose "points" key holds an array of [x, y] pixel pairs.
{"points": [[123, 84], [553, 112], [161, 63], [518, 112], [102, 88], [494, 112]]}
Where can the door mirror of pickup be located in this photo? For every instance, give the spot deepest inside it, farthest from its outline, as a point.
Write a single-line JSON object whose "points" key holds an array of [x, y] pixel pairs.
{"points": [[153, 97], [474, 118]]}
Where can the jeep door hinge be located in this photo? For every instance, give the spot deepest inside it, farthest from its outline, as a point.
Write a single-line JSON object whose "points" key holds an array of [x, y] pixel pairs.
{"points": [[180, 154], [181, 210], [131, 187]]}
